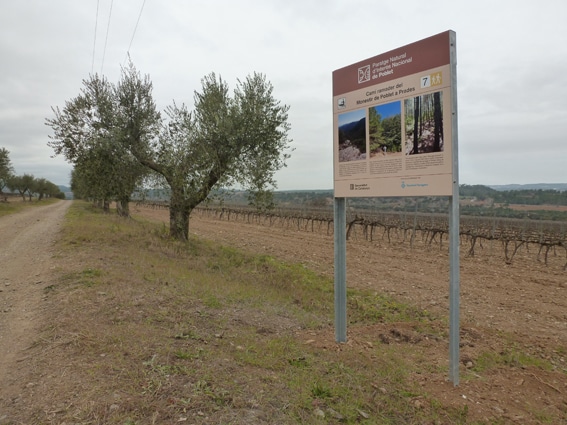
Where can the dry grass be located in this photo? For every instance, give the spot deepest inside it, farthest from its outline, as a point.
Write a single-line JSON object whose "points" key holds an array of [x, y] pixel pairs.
{"points": [[144, 330], [16, 204]]}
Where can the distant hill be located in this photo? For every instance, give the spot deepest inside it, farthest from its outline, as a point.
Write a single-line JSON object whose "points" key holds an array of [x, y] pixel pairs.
{"points": [[534, 186], [67, 191], [354, 129]]}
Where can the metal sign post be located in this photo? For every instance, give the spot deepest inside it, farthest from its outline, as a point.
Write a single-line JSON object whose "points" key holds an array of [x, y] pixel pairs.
{"points": [[454, 230], [340, 270]]}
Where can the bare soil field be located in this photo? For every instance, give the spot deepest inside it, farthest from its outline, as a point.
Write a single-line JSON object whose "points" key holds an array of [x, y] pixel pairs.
{"points": [[508, 311], [523, 207]]}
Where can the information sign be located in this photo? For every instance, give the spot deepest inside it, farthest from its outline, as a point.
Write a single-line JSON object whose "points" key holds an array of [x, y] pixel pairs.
{"points": [[392, 123]]}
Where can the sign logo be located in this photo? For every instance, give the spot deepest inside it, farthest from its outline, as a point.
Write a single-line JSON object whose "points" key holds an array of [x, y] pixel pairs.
{"points": [[361, 186], [404, 185], [363, 74], [341, 103]]}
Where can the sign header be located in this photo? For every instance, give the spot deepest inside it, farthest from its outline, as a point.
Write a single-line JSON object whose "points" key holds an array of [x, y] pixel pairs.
{"points": [[429, 53]]}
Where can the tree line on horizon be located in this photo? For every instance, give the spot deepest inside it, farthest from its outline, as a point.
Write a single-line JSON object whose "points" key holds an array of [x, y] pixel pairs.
{"points": [[492, 202], [25, 185], [517, 196]]}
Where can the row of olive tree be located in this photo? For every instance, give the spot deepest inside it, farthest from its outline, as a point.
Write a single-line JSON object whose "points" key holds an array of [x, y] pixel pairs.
{"points": [[27, 184], [115, 137]]}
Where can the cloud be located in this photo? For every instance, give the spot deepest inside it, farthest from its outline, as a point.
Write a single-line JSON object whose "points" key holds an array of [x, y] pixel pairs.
{"points": [[511, 62]]}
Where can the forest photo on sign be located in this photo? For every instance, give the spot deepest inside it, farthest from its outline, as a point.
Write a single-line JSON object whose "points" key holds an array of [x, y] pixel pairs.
{"points": [[424, 123]]}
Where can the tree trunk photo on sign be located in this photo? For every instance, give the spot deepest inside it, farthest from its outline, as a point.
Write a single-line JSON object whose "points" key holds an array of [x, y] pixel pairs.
{"points": [[416, 127], [438, 126], [424, 124]]}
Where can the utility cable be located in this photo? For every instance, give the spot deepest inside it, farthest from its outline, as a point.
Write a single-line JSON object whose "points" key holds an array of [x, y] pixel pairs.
{"points": [[106, 40], [135, 28], [95, 29]]}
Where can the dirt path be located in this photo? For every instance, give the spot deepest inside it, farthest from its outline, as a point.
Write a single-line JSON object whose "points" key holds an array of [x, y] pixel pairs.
{"points": [[25, 266]]}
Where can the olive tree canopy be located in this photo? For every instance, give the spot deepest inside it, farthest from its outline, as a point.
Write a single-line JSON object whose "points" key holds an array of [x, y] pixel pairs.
{"points": [[228, 140]]}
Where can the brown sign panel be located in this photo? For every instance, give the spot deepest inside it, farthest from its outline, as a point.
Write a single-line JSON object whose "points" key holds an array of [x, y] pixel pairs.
{"points": [[392, 122], [411, 59]]}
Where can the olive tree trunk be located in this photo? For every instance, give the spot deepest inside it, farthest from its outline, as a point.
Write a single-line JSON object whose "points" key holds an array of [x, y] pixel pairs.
{"points": [[123, 208], [179, 211]]}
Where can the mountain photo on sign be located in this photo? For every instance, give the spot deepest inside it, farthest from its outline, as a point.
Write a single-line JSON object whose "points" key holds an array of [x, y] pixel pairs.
{"points": [[352, 136]]}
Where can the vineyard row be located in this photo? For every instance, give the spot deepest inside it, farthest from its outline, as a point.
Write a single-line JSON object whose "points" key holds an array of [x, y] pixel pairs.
{"points": [[427, 229]]}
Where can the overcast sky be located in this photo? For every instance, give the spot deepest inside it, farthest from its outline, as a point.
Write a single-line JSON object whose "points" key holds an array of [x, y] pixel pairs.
{"points": [[512, 70]]}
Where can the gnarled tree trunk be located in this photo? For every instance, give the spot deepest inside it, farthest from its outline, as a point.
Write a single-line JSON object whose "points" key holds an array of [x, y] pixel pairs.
{"points": [[179, 212], [123, 207]]}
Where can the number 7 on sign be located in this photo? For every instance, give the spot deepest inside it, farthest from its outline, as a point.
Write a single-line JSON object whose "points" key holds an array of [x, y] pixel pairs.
{"points": [[431, 80]]}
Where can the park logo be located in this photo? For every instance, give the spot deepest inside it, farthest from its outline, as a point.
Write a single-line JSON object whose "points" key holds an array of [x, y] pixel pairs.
{"points": [[364, 74]]}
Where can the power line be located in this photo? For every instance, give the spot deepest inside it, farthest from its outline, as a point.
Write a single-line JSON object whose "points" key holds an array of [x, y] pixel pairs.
{"points": [[106, 40], [95, 28], [135, 28]]}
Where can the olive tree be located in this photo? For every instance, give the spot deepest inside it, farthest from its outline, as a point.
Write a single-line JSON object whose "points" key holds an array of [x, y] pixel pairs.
{"points": [[43, 188], [91, 177], [6, 169], [86, 131], [22, 184], [228, 140]]}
